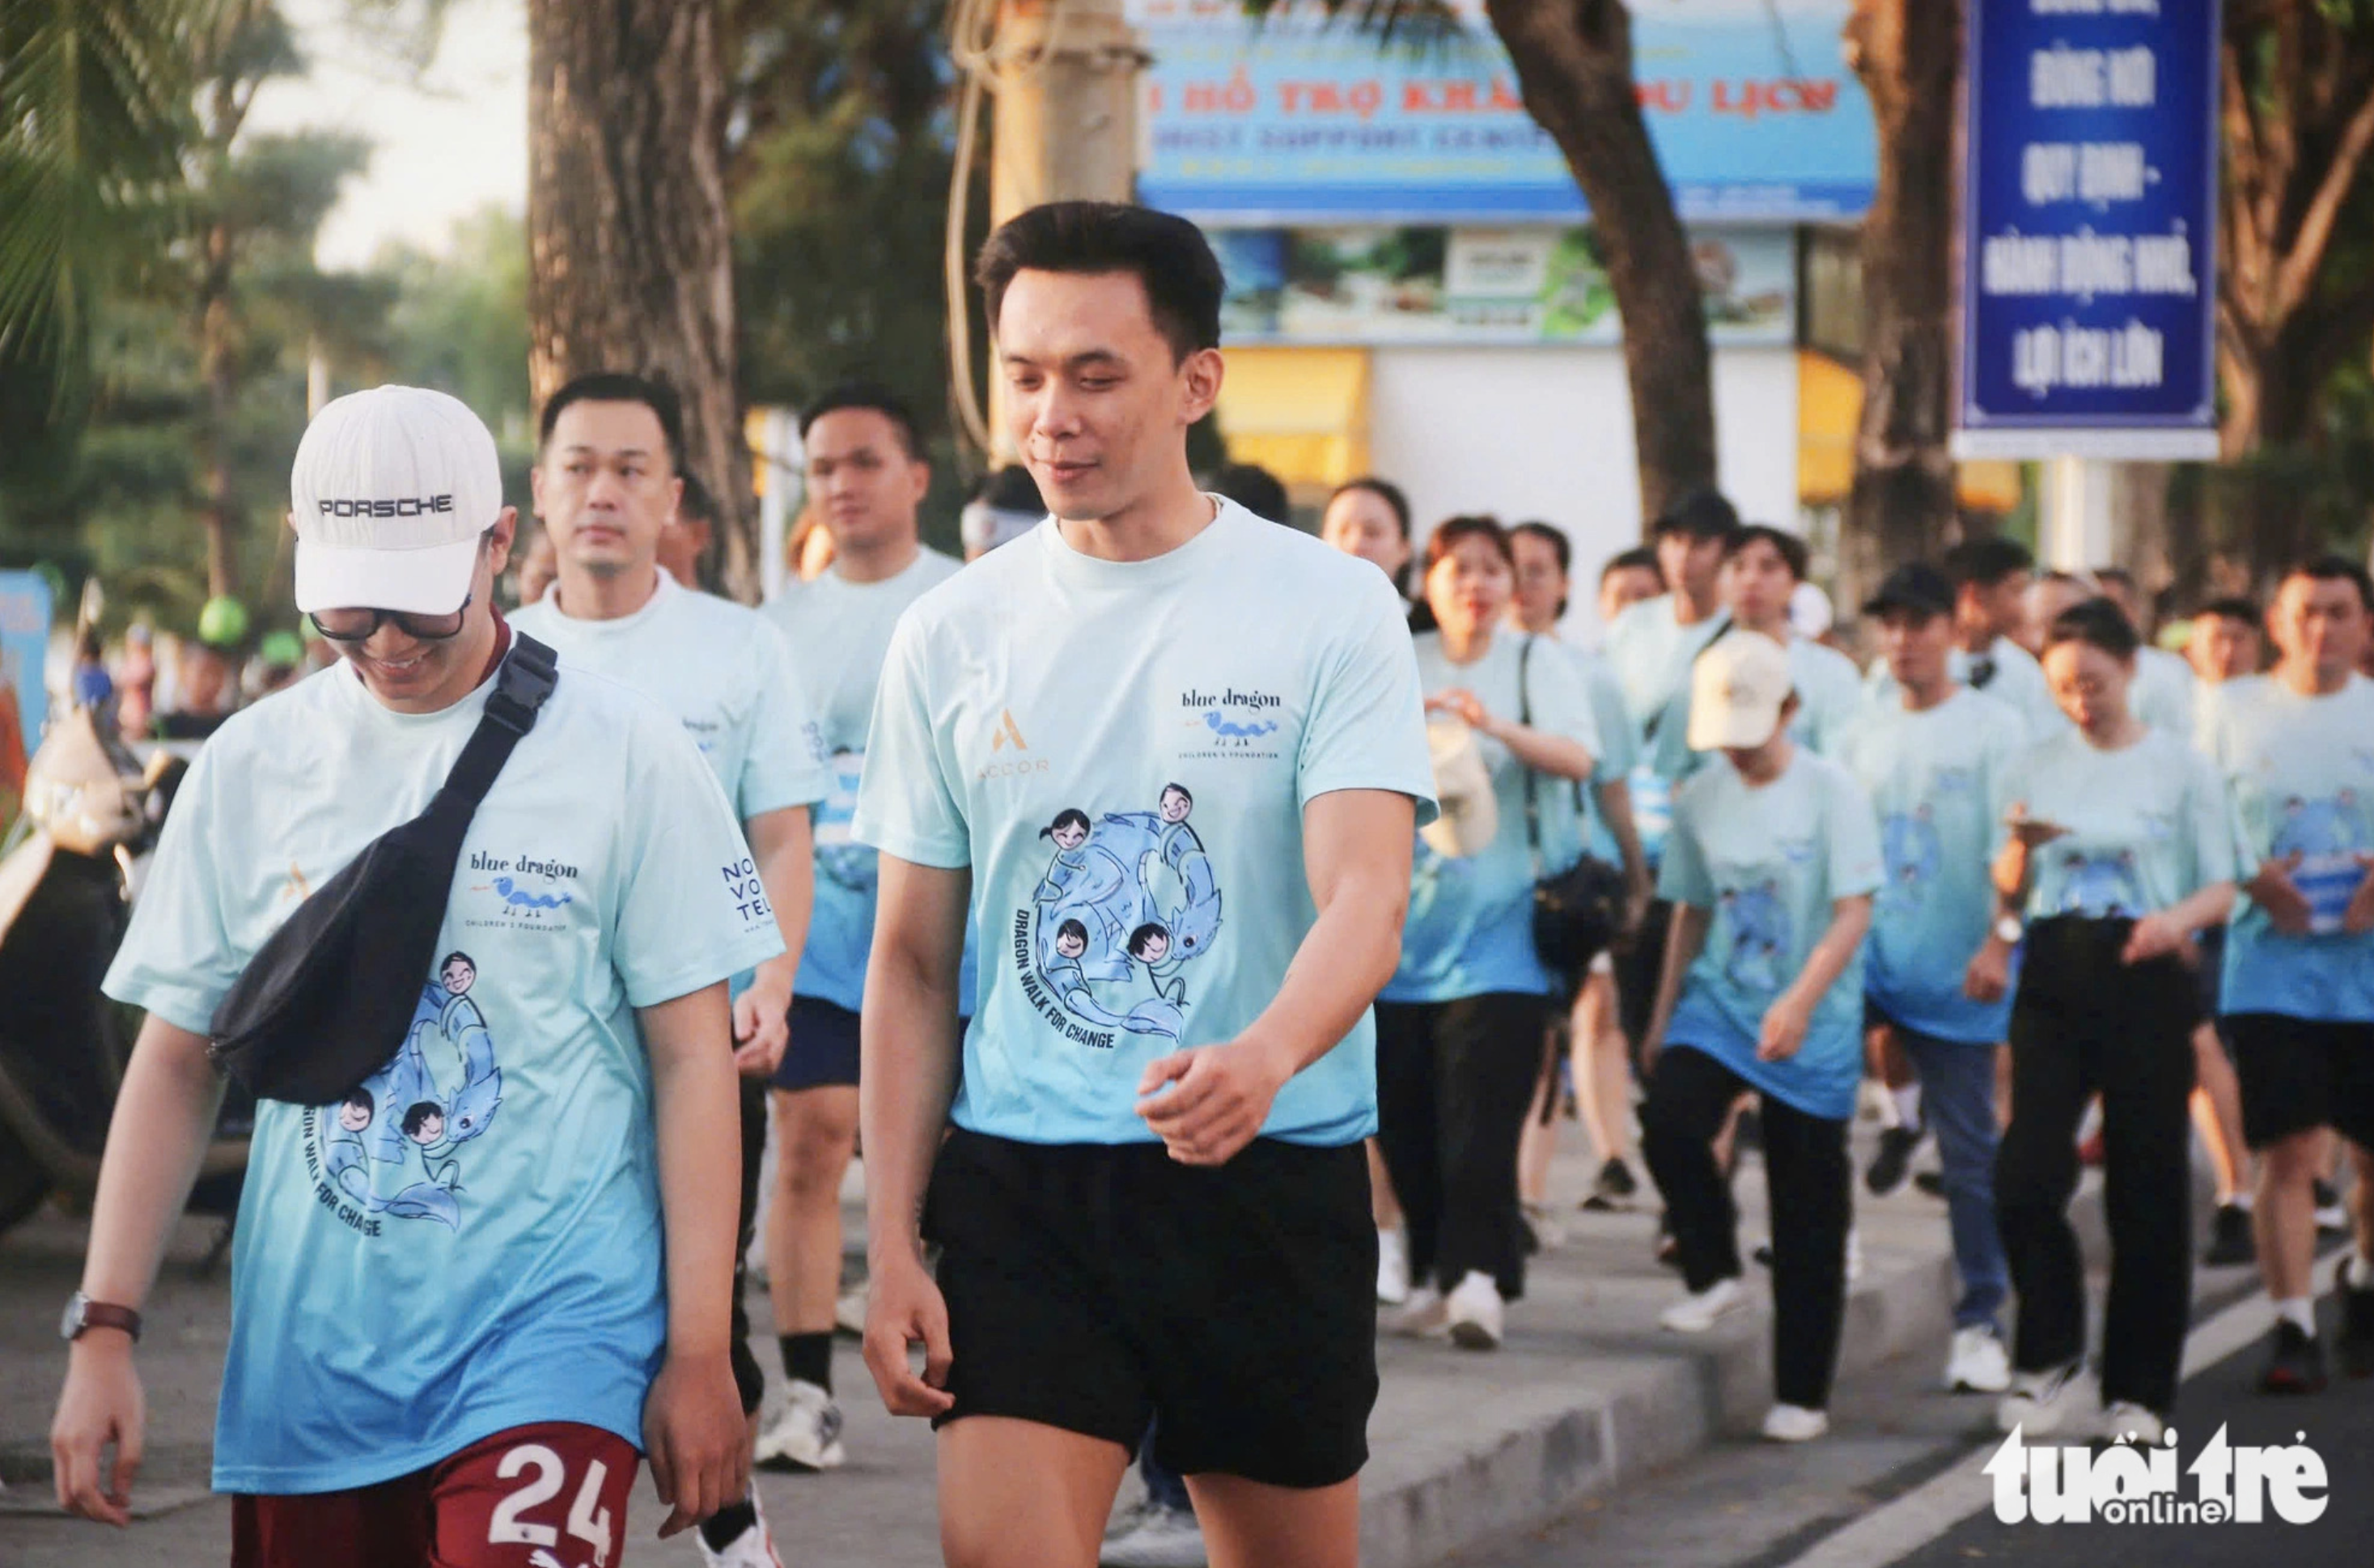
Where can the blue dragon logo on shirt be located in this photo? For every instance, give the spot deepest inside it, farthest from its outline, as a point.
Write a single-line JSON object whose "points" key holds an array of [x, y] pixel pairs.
{"points": [[1760, 942], [1913, 853], [2319, 827], [1129, 896], [1227, 729], [2100, 887], [390, 1147], [517, 897]]}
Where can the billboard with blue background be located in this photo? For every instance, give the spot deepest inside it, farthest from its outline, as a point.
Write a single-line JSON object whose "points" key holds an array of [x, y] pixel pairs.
{"points": [[1300, 120], [2090, 226]]}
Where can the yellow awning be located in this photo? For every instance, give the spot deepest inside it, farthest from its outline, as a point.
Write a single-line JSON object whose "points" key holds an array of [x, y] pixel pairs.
{"points": [[1829, 409], [1300, 413]]}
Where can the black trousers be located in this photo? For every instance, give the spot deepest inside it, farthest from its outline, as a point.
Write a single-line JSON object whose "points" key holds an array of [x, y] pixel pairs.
{"points": [[750, 1379], [1809, 1183], [1639, 967], [2086, 1024], [1453, 1082]]}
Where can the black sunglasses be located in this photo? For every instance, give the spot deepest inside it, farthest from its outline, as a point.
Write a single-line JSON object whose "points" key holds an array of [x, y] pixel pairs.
{"points": [[357, 626]]}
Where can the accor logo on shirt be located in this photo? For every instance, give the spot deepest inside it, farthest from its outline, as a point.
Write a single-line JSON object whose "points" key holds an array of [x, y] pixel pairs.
{"points": [[1009, 751]]}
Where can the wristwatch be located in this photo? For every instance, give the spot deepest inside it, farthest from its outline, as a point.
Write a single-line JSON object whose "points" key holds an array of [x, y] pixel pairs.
{"points": [[2008, 931], [83, 1313]]}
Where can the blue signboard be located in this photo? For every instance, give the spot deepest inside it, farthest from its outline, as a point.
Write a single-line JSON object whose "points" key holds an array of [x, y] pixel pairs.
{"points": [[2089, 227], [24, 648], [1302, 119]]}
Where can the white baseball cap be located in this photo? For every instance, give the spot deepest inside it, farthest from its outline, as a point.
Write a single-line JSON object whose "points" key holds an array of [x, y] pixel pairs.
{"points": [[1737, 689], [391, 490]]}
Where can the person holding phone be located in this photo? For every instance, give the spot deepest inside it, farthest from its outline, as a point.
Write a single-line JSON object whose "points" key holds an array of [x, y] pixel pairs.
{"points": [[2116, 850]]}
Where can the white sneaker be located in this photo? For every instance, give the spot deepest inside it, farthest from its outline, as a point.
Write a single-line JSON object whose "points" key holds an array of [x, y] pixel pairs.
{"points": [[1392, 1269], [1156, 1537], [2133, 1423], [1697, 1311], [806, 1436], [1795, 1423], [754, 1547], [1979, 1365], [1475, 1313], [1549, 1234], [1426, 1316], [2042, 1403], [849, 1313]]}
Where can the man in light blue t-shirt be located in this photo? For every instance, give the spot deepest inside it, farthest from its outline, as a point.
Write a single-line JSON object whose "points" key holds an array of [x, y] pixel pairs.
{"points": [[1936, 758], [1171, 756], [607, 486], [1771, 868], [2296, 749], [466, 1292], [866, 476]]}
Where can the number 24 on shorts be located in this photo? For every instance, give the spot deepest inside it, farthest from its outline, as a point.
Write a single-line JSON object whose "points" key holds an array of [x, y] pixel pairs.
{"points": [[588, 1520]]}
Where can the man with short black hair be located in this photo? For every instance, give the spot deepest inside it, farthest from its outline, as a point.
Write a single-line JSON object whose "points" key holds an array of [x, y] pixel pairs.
{"points": [[2228, 642], [866, 478], [445, 1347], [1154, 1201], [2296, 749], [607, 488], [1990, 577]]}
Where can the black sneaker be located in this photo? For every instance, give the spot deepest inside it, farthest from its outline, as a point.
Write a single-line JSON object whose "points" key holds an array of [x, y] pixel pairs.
{"points": [[1931, 1182], [1613, 1191], [2357, 1331], [2295, 1363], [1894, 1161], [2229, 1238], [2331, 1214]]}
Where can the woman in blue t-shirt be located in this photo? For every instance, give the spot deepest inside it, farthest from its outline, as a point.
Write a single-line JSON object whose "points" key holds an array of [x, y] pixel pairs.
{"points": [[1459, 1027], [1770, 866], [2118, 849]]}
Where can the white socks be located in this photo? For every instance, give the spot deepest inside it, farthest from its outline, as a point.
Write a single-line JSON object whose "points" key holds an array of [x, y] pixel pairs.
{"points": [[1908, 1106], [2300, 1310], [2358, 1273]]}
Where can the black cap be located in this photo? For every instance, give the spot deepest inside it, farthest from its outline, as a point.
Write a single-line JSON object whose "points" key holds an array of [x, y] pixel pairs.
{"points": [[1702, 514], [1918, 587]]}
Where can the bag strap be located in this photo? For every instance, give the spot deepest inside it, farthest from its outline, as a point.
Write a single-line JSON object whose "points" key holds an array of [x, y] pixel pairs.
{"points": [[1533, 791], [527, 677], [1649, 730]]}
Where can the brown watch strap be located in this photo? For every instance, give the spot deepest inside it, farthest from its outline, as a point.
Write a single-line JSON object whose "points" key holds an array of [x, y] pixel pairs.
{"points": [[102, 1315]]}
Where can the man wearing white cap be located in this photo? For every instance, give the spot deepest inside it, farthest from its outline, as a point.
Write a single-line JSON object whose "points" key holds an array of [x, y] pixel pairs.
{"points": [[1771, 866], [535, 1181]]}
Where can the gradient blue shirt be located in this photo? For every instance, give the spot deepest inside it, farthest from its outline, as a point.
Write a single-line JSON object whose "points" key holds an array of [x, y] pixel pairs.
{"points": [[1940, 781]]}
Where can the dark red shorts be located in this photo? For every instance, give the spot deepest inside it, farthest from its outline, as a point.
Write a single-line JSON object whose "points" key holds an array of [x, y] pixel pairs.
{"points": [[550, 1495]]}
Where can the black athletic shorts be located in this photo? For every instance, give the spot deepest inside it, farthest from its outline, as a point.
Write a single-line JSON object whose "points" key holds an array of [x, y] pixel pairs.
{"points": [[748, 1380], [2298, 1075], [823, 1052], [1091, 1287], [2209, 974]]}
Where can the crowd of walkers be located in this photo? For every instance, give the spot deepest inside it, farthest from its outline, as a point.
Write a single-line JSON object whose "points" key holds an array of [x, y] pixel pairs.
{"points": [[1183, 913]]}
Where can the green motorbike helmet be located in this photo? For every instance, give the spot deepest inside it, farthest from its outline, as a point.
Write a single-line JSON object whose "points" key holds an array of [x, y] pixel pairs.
{"points": [[223, 622]]}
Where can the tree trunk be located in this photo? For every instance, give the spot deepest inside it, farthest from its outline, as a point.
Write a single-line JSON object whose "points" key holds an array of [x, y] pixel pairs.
{"points": [[1908, 53], [219, 380], [1574, 68], [629, 232]]}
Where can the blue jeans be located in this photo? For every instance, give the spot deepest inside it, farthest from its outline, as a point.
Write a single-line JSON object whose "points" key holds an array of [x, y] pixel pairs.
{"points": [[1958, 1101]]}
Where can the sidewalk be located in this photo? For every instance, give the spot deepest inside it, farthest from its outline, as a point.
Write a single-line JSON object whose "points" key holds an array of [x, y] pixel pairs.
{"points": [[1586, 1394]]}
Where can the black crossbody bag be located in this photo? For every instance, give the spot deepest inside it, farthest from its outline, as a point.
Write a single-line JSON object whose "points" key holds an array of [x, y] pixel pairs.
{"points": [[325, 1002], [1578, 911]]}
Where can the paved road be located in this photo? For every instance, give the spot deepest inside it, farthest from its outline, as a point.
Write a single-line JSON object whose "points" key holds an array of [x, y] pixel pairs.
{"points": [[1896, 1440]]}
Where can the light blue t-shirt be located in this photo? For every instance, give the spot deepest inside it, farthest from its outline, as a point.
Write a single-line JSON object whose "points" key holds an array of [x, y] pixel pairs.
{"points": [[1769, 861], [839, 633], [417, 1268], [1035, 712], [1940, 781], [2149, 826], [1650, 652], [721, 670], [1470, 931], [1617, 754], [1829, 699], [2300, 772]]}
